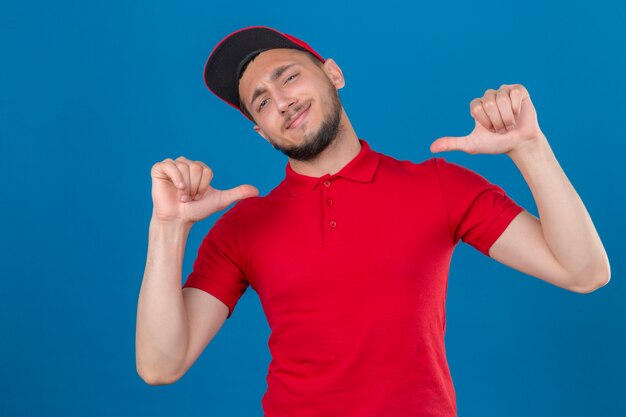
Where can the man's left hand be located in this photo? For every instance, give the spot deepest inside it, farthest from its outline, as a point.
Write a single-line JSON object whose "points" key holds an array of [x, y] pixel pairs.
{"points": [[505, 120]]}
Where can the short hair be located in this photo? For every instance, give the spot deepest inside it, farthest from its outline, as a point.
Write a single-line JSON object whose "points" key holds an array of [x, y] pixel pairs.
{"points": [[242, 105]]}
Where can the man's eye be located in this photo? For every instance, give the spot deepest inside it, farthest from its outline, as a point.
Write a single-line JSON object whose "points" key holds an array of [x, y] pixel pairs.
{"points": [[291, 77], [262, 104]]}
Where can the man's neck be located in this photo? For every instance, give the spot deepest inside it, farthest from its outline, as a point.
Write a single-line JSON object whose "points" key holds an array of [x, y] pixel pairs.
{"points": [[337, 155]]}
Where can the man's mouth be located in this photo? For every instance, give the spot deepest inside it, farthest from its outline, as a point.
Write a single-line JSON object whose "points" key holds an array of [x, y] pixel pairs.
{"points": [[298, 118]]}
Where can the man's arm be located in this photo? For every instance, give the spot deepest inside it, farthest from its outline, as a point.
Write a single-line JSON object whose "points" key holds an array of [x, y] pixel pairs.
{"points": [[562, 247], [173, 326]]}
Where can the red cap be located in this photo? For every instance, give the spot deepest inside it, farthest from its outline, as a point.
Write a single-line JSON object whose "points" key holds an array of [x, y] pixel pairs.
{"points": [[222, 69]]}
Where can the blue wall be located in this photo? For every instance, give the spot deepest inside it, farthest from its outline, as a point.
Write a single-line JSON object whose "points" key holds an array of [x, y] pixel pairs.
{"points": [[93, 93]]}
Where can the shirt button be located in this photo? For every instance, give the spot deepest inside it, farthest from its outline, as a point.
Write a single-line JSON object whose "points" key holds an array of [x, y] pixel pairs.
{"points": [[327, 183], [330, 202], [333, 224]]}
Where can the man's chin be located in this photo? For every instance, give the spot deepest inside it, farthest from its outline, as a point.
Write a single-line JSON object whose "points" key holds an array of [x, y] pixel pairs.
{"points": [[314, 143]]}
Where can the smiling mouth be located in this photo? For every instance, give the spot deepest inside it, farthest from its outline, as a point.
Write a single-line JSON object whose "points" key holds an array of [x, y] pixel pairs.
{"points": [[299, 118]]}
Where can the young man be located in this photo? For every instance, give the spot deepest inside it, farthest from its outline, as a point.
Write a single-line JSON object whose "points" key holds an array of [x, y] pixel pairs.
{"points": [[350, 253]]}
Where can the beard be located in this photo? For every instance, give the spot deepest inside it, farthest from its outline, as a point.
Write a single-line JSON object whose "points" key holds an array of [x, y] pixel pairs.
{"points": [[315, 142]]}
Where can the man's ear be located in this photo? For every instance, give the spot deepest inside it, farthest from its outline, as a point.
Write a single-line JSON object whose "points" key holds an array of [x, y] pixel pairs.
{"points": [[260, 131], [334, 73]]}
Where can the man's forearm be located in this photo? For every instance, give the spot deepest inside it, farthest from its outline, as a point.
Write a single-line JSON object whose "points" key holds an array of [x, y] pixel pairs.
{"points": [[565, 222], [162, 334]]}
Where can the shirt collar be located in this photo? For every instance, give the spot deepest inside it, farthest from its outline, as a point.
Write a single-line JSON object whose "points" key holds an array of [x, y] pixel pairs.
{"points": [[361, 168]]}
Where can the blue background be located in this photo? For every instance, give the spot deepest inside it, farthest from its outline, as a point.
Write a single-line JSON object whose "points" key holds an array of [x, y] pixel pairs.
{"points": [[94, 93]]}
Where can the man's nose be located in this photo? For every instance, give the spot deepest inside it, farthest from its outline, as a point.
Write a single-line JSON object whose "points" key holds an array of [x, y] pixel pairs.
{"points": [[284, 101]]}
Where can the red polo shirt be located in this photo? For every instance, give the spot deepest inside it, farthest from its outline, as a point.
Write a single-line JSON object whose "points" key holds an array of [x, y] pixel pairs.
{"points": [[352, 270]]}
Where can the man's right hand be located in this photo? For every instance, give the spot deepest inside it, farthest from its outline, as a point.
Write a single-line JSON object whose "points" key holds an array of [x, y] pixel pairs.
{"points": [[181, 191]]}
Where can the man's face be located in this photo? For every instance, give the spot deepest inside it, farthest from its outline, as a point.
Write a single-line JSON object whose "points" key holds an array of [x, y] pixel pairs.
{"points": [[293, 101]]}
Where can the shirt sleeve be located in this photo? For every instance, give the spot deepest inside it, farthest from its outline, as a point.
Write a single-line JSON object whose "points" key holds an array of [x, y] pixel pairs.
{"points": [[478, 211], [216, 269]]}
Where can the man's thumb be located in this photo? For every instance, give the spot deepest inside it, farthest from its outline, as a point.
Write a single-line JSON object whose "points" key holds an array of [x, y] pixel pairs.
{"points": [[238, 193], [448, 143]]}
